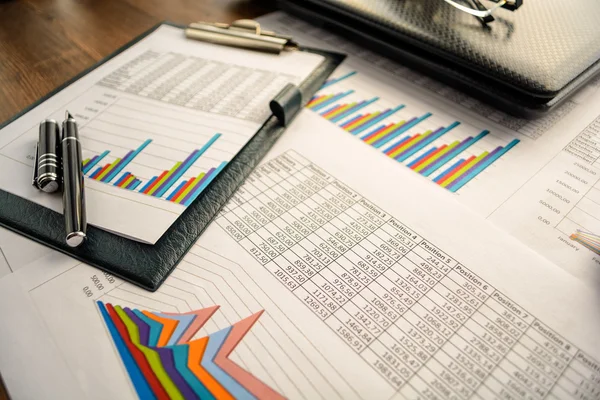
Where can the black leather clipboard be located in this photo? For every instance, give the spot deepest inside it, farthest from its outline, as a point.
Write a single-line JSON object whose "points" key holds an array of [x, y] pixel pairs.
{"points": [[149, 265]]}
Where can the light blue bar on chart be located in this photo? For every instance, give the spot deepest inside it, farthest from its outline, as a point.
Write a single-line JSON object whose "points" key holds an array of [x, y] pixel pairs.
{"points": [[135, 185], [456, 164], [125, 161], [123, 177], [350, 121], [426, 142], [199, 189], [383, 141], [91, 164], [336, 80], [424, 155], [331, 100], [177, 189], [354, 109], [453, 153], [376, 120], [148, 184], [465, 179], [183, 168]]}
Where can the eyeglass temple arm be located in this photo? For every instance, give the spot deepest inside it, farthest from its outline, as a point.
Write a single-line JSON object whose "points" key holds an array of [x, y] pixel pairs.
{"points": [[511, 5], [484, 13], [487, 17], [480, 12]]}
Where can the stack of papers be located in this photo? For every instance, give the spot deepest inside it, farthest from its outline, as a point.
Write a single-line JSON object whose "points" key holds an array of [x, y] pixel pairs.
{"points": [[361, 260]]}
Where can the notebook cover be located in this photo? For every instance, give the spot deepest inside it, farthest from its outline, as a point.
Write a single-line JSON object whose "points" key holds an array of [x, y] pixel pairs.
{"points": [[142, 264], [525, 62]]}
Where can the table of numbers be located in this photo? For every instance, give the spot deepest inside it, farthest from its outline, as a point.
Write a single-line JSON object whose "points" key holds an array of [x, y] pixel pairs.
{"points": [[198, 83], [427, 324]]}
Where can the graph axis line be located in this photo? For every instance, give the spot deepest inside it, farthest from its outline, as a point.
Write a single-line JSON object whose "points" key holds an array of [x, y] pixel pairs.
{"points": [[62, 107], [520, 187], [6, 259], [130, 302], [587, 213], [110, 290], [174, 119], [188, 292], [125, 198], [575, 206], [176, 288], [54, 277], [127, 137], [159, 134], [261, 324], [152, 299], [253, 334], [227, 320], [98, 190], [340, 376]]}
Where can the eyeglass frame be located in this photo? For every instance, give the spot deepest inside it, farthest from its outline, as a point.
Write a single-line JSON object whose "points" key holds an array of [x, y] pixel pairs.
{"points": [[483, 13]]}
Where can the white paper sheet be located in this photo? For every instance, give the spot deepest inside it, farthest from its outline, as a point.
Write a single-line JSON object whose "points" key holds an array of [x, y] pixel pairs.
{"points": [[50, 375], [374, 283], [541, 190], [17, 251], [165, 100]]}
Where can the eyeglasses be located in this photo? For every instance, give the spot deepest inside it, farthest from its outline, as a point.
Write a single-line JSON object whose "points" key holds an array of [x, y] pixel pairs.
{"points": [[475, 8]]}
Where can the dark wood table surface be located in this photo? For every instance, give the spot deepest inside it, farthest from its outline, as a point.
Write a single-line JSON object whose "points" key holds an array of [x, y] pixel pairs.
{"points": [[43, 43]]}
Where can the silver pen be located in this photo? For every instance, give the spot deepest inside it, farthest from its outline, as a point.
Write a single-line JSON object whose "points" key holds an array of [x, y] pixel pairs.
{"points": [[73, 192]]}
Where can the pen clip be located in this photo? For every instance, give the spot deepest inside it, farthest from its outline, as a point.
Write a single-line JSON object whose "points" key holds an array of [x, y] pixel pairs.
{"points": [[35, 167], [244, 33]]}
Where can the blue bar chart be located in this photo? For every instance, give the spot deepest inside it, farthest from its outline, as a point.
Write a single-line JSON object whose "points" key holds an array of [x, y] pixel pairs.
{"points": [[447, 154], [170, 184]]}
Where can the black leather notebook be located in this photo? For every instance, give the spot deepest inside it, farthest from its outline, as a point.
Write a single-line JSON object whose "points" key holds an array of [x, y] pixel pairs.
{"points": [[148, 265], [526, 62]]}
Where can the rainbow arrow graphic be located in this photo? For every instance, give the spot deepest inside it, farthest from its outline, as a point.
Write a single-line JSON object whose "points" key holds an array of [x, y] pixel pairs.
{"points": [[165, 362]]}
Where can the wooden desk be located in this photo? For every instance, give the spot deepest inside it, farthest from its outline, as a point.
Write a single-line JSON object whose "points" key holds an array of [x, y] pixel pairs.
{"points": [[43, 43]]}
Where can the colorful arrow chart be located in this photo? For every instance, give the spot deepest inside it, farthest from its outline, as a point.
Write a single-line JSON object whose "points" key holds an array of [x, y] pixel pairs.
{"points": [[164, 362]]}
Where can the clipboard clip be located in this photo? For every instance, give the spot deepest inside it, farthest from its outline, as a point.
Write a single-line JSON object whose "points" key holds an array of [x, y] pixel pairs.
{"points": [[243, 33]]}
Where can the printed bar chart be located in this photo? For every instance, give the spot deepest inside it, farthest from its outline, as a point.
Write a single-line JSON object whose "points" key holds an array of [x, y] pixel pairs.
{"points": [[410, 137], [169, 185]]}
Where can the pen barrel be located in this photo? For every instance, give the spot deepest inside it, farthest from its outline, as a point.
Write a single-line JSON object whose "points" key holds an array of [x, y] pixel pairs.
{"points": [[48, 174], [231, 38], [73, 196]]}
